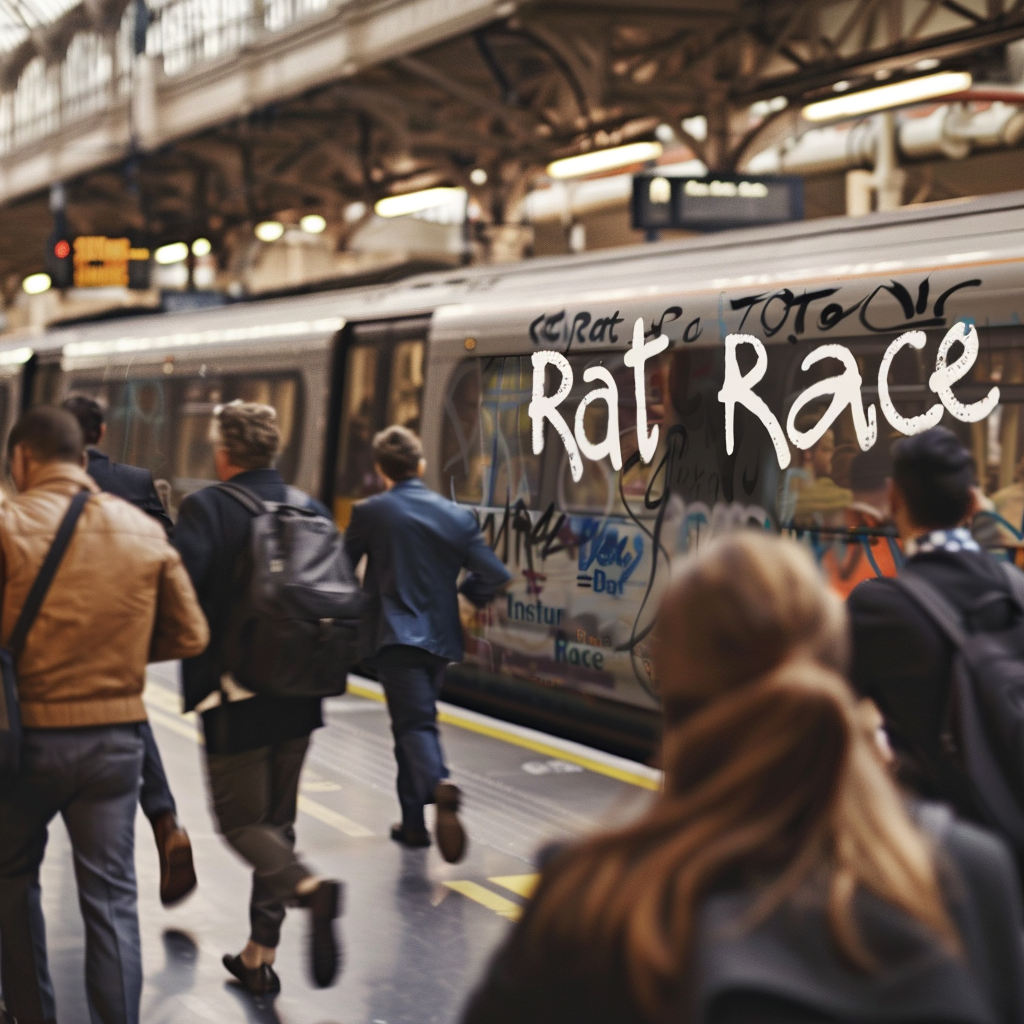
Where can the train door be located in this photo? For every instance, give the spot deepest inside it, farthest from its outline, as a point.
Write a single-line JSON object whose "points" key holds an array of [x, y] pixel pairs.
{"points": [[378, 381]]}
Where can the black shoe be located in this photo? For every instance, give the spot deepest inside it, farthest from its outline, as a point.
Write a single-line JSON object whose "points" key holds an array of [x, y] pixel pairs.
{"points": [[324, 904], [451, 836], [258, 981], [414, 837]]}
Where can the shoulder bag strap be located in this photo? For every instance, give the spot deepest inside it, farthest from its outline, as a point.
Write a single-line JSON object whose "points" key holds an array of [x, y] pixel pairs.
{"points": [[252, 503], [42, 582], [935, 604]]}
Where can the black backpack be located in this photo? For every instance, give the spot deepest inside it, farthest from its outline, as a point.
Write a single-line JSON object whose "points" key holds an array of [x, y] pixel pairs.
{"points": [[293, 626], [982, 759]]}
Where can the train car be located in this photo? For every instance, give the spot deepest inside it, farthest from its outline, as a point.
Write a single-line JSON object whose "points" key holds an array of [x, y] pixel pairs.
{"points": [[604, 414]]}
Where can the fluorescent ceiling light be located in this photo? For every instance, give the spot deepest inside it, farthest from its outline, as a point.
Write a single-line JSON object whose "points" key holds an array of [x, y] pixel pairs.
{"points": [[173, 253], [416, 202], [269, 230], [202, 247], [36, 284], [896, 94], [15, 356], [605, 160], [313, 224]]}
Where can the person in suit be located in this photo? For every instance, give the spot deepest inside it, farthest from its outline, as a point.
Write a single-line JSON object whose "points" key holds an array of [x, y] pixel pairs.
{"points": [[417, 544], [134, 485], [255, 744], [901, 659], [778, 876]]}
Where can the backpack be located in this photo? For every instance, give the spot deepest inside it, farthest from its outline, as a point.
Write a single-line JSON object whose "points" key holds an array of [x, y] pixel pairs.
{"points": [[983, 736], [293, 626]]}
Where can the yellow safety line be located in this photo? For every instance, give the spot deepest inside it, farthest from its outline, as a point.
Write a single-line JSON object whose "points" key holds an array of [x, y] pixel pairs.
{"points": [[498, 733], [491, 900], [521, 885], [306, 805], [333, 818]]}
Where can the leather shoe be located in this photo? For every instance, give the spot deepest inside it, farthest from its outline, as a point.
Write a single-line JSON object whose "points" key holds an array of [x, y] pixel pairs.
{"points": [[413, 837], [257, 981], [451, 836], [325, 905], [177, 872]]}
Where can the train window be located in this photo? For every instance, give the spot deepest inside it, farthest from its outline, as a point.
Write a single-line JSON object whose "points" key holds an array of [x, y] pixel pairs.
{"points": [[486, 452], [198, 397], [357, 477], [138, 420], [405, 392]]}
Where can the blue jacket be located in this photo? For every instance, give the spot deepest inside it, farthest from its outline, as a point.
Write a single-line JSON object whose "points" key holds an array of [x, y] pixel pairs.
{"points": [[132, 483], [417, 543]]}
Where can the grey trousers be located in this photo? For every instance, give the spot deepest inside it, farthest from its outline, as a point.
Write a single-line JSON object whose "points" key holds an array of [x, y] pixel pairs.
{"points": [[255, 796], [91, 778]]}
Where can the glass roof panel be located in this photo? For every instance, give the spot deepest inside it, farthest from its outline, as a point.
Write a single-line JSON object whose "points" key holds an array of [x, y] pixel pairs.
{"points": [[19, 17]]}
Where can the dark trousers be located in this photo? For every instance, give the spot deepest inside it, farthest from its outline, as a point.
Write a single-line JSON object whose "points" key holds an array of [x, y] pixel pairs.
{"points": [[155, 796], [412, 680], [255, 796], [91, 778]]}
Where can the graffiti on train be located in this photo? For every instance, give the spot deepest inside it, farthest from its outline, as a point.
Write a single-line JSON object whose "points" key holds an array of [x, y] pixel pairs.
{"points": [[786, 311], [844, 390], [565, 328]]}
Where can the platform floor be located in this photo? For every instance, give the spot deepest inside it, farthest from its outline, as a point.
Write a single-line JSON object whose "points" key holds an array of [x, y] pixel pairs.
{"points": [[417, 932]]}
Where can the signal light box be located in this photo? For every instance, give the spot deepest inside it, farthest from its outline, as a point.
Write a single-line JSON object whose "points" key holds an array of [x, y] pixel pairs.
{"points": [[716, 201]]}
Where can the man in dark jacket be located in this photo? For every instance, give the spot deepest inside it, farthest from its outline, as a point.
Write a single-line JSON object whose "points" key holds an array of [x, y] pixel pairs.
{"points": [[901, 659], [255, 744], [135, 485], [417, 543]]}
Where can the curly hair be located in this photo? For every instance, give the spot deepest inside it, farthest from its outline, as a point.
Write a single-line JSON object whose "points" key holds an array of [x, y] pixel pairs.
{"points": [[249, 433]]}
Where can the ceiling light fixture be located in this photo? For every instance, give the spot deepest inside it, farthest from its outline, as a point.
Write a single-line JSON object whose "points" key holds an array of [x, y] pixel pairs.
{"points": [[313, 224], [605, 159], [175, 252], [416, 202], [36, 284], [885, 97], [269, 230], [202, 247], [478, 176]]}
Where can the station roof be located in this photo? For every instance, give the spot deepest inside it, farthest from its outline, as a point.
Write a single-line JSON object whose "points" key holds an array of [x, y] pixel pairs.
{"points": [[507, 87]]}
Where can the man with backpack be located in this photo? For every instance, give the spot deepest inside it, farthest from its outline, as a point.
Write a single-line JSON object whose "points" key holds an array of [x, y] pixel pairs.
{"points": [[417, 544], [256, 742], [135, 485], [940, 648], [91, 592]]}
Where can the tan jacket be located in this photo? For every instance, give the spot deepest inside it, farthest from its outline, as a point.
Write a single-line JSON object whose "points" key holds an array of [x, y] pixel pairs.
{"points": [[121, 598]]}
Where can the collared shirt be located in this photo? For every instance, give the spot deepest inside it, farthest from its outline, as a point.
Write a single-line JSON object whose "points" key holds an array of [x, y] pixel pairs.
{"points": [[957, 539]]}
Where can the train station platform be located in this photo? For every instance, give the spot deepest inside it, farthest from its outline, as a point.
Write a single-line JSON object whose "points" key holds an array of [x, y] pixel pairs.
{"points": [[417, 932]]}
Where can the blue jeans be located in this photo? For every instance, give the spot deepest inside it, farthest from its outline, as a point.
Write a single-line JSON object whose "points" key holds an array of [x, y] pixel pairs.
{"points": [[412, 680], [155, 796], [91, 778]]}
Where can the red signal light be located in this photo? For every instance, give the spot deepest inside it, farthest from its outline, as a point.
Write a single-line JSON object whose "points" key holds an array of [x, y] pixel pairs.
{"points": [[62, 249]]}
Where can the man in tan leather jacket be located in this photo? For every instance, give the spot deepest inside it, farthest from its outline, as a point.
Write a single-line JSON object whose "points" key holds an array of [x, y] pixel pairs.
{"points": [[120, 598]]}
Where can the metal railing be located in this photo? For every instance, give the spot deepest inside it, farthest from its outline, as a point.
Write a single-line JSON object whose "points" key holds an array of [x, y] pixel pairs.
{"points": [[96, 72]]}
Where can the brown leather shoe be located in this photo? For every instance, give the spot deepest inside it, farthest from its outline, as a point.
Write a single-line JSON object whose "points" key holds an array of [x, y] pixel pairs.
{"points": [[451, 837], [177, 872]]}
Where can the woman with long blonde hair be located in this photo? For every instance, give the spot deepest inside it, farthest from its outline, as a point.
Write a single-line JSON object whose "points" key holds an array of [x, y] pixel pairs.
{"points": [[778, 876]]}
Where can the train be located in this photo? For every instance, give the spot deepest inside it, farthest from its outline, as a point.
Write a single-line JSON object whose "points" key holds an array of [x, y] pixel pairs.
{"points": [[604, 414]]}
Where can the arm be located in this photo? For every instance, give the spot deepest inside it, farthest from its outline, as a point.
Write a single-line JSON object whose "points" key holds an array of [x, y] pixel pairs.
{"points": [[486, 572], [180, 630], [357, 536], [196, 542]]}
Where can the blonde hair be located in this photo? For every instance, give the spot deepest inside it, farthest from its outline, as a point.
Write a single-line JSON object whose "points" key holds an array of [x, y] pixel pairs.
{"points": [[771, 782], [249, 433]]}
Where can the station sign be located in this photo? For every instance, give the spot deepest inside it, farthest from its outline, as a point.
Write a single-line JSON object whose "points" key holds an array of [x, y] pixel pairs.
{"points": [[102, 262], [715, 201]]}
